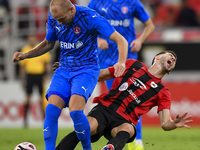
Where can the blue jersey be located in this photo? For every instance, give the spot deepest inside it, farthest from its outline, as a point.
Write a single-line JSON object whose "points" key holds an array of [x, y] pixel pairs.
{"points": [[121, 15], [78, 40]]}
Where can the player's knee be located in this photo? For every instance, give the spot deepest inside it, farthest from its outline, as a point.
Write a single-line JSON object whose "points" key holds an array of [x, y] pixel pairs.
{"points": [[124, 127], [130, 129], [132, 132], [76, 116], [52, 112]]}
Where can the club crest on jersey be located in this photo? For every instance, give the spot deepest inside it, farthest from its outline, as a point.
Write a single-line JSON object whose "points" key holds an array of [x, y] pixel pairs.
{"points": [[124, 10], [77, 30], [123, 87]]}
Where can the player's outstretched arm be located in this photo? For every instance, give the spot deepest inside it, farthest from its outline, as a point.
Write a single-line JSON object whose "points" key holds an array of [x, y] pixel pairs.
{"points": [[179, 121], [123, 51], [18, 56], [40, 49]]}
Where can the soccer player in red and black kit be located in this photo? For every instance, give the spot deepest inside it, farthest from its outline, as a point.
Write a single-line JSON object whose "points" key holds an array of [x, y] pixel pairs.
{"points": [[133, 94]]}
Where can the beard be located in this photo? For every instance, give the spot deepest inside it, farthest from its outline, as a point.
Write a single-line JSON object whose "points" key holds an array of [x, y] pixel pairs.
{"points": [[164, 68], [69, 21]]}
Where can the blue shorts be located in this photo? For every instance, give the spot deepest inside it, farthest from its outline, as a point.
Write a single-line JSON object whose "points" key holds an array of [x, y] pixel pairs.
{"points": [[65, 84]]}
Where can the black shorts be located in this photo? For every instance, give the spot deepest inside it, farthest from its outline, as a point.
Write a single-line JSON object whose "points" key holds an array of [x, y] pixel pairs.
{"points": [[107, 120], [34, 80]]}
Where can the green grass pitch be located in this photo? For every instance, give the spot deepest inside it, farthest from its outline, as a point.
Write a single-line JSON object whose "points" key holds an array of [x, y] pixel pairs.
{"points": [[154, 138]]}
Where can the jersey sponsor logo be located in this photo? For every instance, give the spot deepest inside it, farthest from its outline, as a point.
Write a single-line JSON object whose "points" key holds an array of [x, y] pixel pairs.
{"points": [[124, 23], [138, 83], [123, 87], [66, 45], [77, 30], [124, 10], [104, 9], [78, 44], [134, 96], [153, 85]]}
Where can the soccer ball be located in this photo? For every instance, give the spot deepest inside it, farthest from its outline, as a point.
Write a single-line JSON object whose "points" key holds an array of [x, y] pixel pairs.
{"points": [[25, 146]]}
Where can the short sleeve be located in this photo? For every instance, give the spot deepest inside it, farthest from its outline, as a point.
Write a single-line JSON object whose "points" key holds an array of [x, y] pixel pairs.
{"points": [[100, 25], [111, 70], [51, 34], [165, 99], [140, 12]]}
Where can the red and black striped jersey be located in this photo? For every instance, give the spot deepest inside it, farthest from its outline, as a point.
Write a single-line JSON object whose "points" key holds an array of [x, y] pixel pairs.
{"points": [[135, 92]]}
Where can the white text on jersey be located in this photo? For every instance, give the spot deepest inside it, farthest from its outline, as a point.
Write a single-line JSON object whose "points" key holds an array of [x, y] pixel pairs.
{"points": [[66, 45]]}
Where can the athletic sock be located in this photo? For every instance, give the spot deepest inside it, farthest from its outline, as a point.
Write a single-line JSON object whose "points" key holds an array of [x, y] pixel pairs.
{"points": [[26, 107], [139, 129], [82, 128], [120, 140], [51, 126], [70, 141]]}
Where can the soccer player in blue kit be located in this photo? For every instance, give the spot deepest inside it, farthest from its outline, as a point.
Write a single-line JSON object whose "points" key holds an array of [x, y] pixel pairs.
{"points": [[76, 28], [120, 14]]}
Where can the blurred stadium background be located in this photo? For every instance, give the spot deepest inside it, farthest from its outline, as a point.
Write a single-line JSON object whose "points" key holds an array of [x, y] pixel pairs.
{"points": [[19, 18]]}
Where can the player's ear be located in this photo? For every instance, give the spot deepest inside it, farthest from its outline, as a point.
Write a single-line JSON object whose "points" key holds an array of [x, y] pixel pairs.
{"points": [[71, 9], [157, 57]]}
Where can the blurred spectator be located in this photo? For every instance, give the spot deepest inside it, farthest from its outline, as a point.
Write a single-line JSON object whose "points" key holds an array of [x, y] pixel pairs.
{"points": [[4, 6], [33, 73], [166, 15], [23, 22], [170, 18], [148, 7], [154, 4], [4, 11], [187, 16]]}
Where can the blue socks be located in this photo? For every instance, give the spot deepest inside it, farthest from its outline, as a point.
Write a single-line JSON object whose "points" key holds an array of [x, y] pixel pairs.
{"points": [[51, 126], [82, 128], [139, 129]]}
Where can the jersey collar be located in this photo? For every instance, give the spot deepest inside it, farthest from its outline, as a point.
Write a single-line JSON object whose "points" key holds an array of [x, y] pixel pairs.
{"points": [[75, 17]]}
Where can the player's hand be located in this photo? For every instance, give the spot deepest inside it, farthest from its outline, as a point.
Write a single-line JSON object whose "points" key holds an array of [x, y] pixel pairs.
{"points": [[55, 66], [181, 121], [119, 69], [102, 44], [18, 56], [136, 45]]}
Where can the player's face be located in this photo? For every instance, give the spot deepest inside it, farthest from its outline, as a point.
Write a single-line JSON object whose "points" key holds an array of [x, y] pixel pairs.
{"points": [[168, 62], [63, 17]]}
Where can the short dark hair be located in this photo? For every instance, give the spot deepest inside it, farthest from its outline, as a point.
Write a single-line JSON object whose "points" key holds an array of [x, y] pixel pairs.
{"points": [[164, 52]]}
